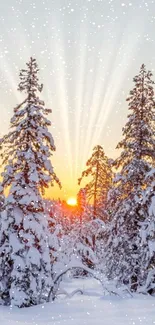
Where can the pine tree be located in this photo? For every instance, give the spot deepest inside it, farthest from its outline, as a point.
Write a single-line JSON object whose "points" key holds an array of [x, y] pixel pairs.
{"points": [[25, 270], [128, 211], [147, 233], [81, 204], [99, 169]]}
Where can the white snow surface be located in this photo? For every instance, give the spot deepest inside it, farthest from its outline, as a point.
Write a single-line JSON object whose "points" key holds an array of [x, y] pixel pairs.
{"points": [[92, 308]]}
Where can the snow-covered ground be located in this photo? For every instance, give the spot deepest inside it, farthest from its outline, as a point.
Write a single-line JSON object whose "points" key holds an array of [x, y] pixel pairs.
{"points": [[92, 308]]}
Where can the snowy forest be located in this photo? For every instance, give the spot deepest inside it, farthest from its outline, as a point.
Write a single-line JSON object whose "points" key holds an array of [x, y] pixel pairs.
{"points": [[109, 236]]}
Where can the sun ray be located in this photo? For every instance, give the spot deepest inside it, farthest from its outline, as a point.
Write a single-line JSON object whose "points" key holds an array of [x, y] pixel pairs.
{"points": [[62, 95], [101, 78], [115, 83], [109, 95], [80, 73]]}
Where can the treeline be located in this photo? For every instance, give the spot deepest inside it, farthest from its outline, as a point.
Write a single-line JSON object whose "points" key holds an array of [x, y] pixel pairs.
{"points": [[114, 235]]}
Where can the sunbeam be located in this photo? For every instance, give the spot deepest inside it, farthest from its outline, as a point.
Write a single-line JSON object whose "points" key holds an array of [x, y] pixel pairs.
{"points": [[80, 73], [59, 61], [115, 83]]}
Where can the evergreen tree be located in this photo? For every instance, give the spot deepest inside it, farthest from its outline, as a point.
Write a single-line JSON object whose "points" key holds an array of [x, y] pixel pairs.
{"points": [[81, 204], [128, 210], [25, 270], [148, 236], [99, 169]]}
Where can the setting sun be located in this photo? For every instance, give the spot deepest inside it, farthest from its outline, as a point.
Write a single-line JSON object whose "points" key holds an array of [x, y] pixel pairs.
{"points": [[72, 201]]}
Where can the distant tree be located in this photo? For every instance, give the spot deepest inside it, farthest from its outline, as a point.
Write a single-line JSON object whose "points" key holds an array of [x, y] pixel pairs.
{"points": [[81, 203], [99, 169], [25, 270], [124, 251]]}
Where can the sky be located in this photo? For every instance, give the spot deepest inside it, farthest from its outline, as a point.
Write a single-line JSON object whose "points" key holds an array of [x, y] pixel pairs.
{"points": [[88, 52]]}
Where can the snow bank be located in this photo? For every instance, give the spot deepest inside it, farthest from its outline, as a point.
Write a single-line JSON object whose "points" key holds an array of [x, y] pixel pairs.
{"points": [[91, 308]]}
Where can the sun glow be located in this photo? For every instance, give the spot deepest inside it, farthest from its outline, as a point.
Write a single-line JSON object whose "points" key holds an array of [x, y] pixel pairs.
{"points": [[72, 201]]}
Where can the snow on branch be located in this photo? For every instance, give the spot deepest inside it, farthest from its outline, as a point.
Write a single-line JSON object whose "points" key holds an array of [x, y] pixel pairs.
{"points": [[58, 278]]}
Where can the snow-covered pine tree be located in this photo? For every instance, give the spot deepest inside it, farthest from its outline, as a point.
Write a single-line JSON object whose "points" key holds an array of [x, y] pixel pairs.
{"points": [[148, 236], [25, 270], [89, 231], [124, 251], [99, 169]]}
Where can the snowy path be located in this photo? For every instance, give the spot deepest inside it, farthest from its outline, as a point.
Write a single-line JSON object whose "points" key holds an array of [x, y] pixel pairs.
{"points": [[91, 309]]}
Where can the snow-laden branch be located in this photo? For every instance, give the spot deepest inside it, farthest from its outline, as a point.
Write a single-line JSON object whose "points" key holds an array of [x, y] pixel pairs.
{"points": [[58, 278], [70, 295]]}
